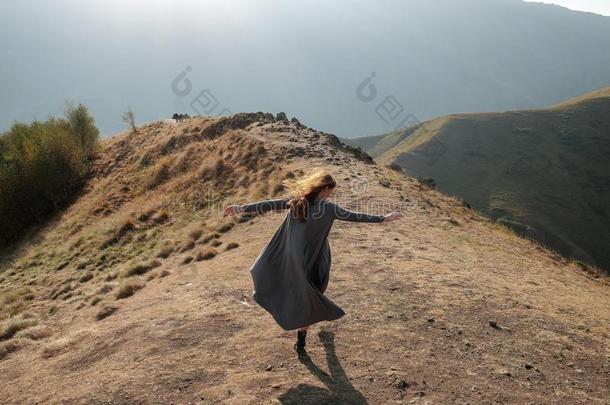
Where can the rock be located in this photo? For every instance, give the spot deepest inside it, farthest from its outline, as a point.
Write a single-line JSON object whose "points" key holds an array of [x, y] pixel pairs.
{"points": [[528, 366], [494, 325], [400, 384], [431, 320], [427, 181], [180, 117], [295, 121], [396, 167], [269, 367]]}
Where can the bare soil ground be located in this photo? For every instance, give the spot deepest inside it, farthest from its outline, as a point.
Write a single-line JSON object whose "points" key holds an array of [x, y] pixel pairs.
{"points": [[443, 306]]}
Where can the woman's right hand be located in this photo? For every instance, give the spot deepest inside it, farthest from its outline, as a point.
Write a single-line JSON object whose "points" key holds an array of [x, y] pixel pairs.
{"points": [[231, 210], [393, 216]]}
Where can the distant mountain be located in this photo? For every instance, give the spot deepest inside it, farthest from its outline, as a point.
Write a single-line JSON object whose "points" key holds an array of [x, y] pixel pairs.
{"points": [[545, 173], [435, 57]]}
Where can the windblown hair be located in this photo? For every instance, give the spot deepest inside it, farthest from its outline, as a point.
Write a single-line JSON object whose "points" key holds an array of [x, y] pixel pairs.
{"points": [[303, 191]]}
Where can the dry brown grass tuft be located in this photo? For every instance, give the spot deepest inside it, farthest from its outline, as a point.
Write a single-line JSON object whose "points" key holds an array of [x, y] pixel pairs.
{"points": [[138, 269], [196, 233], [16, 294], [128, 288], [12, 326], [11, 346], [161, 173], [65, 290], [35, 333], [127, 225], [206, 253], [232, 245], [160, 217], [225, 227], [86, 277], [105, 312], [209, 237], [64, 343], [165, 252], [188, 245]]}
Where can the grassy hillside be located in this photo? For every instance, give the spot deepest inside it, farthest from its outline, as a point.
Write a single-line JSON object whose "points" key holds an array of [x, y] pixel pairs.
{"points": [[140, 291], [543, 172]]}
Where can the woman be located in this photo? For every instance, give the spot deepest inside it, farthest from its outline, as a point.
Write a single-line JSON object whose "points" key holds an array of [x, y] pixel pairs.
{"points": [[291, 273]]}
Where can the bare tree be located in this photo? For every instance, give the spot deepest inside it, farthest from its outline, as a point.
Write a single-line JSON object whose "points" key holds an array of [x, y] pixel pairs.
{"points": [[129, 120]]}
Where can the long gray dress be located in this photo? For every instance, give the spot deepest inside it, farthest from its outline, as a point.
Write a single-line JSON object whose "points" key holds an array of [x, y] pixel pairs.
{"points": [[291, 273]]}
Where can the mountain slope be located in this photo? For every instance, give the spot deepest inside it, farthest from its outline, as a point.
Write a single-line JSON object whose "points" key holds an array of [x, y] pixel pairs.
{"points": [[544, 172], [442, 306]]}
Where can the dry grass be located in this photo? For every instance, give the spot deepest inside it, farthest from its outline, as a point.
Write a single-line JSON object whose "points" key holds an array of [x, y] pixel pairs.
{"points": [[165, 252], [225, 227], [128, 288], [106, 311], [195, 233], [11, 346], [138, 269], [209, 237], [160, 173], [86, 277], [232, 245], [35, 333], [206, 253], [188, 245], [12, 326]]}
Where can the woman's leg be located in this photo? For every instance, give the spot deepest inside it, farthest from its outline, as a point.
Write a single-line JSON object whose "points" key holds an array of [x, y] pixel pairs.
{"points": [[301, 335]]}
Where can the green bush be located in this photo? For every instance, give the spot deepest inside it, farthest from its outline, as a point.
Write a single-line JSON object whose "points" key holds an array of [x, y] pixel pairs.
{"points": [[42, 165]]}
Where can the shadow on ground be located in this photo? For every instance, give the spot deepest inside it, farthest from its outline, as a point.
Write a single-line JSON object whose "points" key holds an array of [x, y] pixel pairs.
{"points": [[339, 388]]}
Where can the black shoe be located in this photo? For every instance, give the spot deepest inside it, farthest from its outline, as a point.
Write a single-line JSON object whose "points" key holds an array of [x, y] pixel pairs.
{"points": [[300, 344]]}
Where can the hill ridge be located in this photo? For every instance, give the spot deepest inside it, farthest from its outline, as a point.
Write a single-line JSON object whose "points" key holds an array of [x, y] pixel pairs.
{"points": [[142, 288]]}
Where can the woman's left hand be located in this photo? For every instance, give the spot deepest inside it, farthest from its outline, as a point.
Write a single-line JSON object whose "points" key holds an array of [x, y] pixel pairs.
{"points": [[231, 210], [392, 216]]}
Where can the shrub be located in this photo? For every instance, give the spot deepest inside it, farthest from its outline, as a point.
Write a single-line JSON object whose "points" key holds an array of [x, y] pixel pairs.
{"points": [[42, 165]]}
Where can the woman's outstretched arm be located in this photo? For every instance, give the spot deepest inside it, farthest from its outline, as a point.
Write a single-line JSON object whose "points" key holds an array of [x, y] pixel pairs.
{"points": [[342, 214], [259, 207]]}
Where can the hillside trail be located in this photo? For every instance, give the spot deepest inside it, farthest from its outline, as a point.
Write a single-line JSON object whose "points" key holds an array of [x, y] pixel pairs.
{"points": [[442, 306]]}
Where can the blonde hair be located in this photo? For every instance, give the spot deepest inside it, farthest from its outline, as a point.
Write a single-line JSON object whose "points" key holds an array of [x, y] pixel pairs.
{"points": [[302, 191]]}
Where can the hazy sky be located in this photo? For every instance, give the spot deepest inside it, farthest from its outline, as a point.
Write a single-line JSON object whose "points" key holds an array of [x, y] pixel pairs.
{"points": [[594, 6], [318, 60]]}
